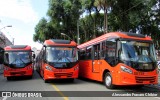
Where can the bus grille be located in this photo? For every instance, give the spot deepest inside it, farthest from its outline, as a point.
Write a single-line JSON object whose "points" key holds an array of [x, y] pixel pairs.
{"points": [[63, 74], [21, 72], [142, 79]]}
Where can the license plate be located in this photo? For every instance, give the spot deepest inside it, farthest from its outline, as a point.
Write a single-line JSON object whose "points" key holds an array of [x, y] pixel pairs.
{"points": [[13, 69], [60, 70], [139, 73]]}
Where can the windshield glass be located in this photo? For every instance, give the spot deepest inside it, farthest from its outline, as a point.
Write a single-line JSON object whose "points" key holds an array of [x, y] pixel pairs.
{"points": [[18, 59], [141, 52], [61, 54]]}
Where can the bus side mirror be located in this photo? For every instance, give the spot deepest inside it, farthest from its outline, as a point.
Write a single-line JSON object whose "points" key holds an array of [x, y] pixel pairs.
{"points": [[119, 48]]}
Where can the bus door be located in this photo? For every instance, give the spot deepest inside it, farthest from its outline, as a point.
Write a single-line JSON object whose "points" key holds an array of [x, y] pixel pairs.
{"points": [[95, 59]]}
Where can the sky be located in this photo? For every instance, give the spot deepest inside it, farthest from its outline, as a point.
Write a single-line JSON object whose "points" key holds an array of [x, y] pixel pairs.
{"points": [[23, 15]]}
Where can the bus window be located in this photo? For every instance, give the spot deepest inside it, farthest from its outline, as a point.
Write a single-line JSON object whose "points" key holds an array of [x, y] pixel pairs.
{"points": [[103, 50], [110, 52], [82, 54], [88, 52], [97, 51]]}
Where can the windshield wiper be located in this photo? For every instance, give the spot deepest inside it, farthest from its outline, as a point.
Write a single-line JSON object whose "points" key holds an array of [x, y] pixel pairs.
{"points": [[22, 61], [67, 59], [62, 58], [13, 61]]}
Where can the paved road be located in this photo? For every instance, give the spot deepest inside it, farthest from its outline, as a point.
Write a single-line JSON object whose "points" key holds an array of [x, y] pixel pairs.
{"points": [[61, 88]]}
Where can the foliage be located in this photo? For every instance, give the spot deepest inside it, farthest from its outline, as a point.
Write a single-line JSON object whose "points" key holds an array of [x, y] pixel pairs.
{"points": [[95, 17]]}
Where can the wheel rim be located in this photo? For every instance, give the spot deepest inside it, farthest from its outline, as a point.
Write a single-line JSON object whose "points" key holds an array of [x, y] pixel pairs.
{"points": [[108, 80]]}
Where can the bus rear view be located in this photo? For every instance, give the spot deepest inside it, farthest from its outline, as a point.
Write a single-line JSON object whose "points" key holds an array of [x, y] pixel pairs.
{"points": [[18, 61]]}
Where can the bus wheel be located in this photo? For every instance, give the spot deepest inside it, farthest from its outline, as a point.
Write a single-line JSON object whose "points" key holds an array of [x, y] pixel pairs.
{"points": [[139, 86], [46, 81], [108, 81], [71, 80], [9, 78], [30, 77]]}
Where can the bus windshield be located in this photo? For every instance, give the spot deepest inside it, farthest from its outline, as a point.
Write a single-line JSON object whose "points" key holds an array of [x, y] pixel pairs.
{"points": [[61, 54], [141, 52], [17, 59]]}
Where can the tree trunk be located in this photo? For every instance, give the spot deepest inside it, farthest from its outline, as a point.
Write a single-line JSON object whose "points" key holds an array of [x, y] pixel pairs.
{"points": [[105, 20]]}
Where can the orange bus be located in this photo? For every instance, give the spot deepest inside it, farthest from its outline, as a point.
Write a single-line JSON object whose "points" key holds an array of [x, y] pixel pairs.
{"points": [[58, 59], [18, 61], [119, 58]]}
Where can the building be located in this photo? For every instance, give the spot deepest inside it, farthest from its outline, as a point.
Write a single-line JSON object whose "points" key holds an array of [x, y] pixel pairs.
{"points": [[4, 41]]}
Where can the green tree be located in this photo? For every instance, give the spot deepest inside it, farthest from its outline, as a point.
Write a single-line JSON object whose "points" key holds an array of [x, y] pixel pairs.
{"points": [[118, 15], [64, 15], [62, 18], [104, 5]]}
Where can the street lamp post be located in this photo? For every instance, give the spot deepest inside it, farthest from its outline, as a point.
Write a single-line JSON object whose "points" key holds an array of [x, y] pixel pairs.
{"points": [[66, 35], [5, 27], [13, 41]]}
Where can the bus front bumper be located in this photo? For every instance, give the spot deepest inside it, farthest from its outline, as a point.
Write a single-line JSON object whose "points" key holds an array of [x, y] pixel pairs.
{"points": [[18, 73], [48, 75], [123, 78]]}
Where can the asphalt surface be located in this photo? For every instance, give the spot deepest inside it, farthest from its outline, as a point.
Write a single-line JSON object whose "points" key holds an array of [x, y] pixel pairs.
{"points": [[66, 90]]}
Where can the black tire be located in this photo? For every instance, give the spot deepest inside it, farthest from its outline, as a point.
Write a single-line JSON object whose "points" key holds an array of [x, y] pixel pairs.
{"points": [[9, 78], [108, 80], [46, 81], [30, 77], [71, 80], [139, 86]]}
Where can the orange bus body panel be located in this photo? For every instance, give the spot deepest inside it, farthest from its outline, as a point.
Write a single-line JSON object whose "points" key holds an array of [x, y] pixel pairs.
{"points": [[60, 73], [120, 77], [110, 35], [51, 43], [95, 70], [8, 48], [26, 71]]}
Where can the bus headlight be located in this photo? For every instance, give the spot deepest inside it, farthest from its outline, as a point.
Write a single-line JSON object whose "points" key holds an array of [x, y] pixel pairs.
{"points": [[126, 69], [76, 68], [48, 68], [29, 67]]}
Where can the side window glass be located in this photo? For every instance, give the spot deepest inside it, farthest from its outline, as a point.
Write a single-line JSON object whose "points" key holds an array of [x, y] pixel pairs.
{"points": [[103, 50], [110, 52], [88, 52], [96, 51], [82, 54], [110, 48]]}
